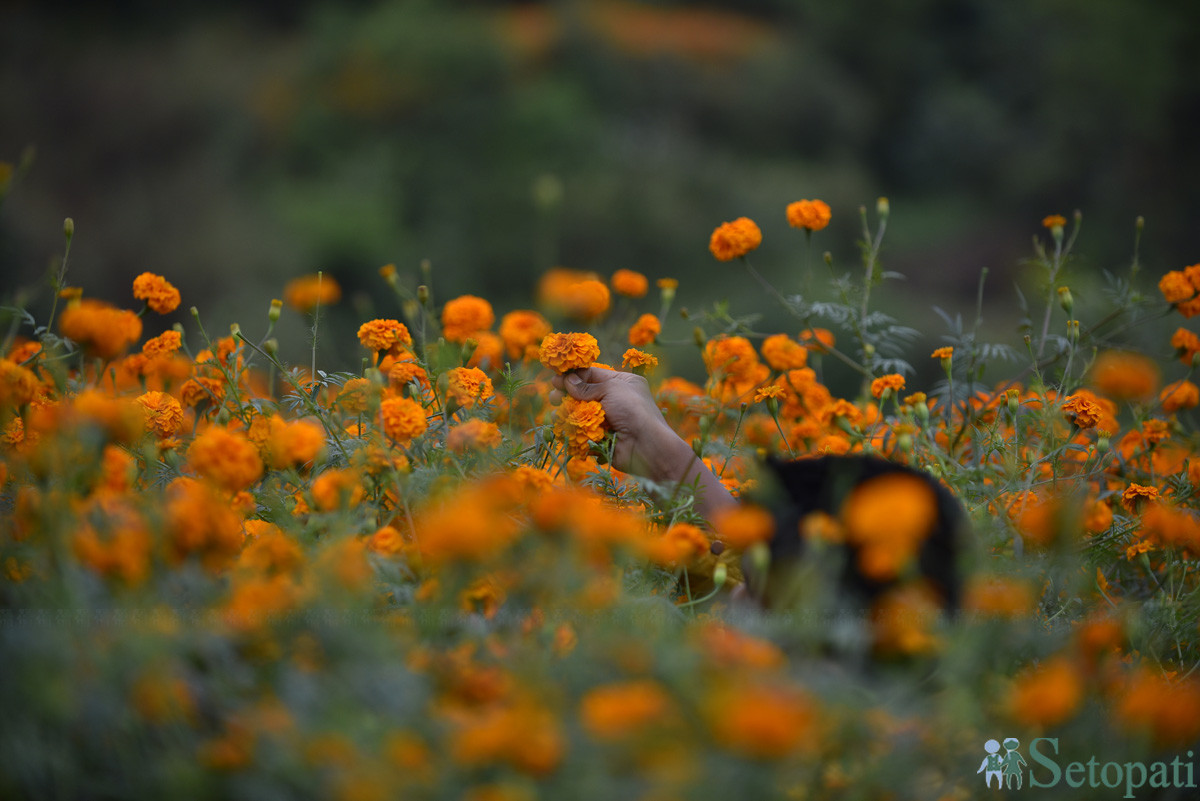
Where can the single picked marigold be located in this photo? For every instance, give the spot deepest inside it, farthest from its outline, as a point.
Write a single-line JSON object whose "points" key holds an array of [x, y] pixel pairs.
{"points": [[465, 316], [893, 382], [562, 352], [735, 239], [468, 386], [160, 295], [403, 419], [384, 335], [226, 458], [644, 331], [310, 291], [580, 423], [522, 331], [812, 215], [164, 414], [629, 283]]}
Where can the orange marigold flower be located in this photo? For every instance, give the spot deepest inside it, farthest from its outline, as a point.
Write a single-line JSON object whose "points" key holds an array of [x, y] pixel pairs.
{"points": [[101, 329], [581, 423], [474, 434], [1054, 221], [165, 344], [1166, 709], [1155, 431], [286, 444], [1186, 345], [613, 711], [1181, 394], [403, 419], [157, 291], [783, 353], [466, 316], [1175, 287], [1122, 375], [386, 540], [473, 523], [629, 283], [892, 381], [943, 353], [18, 385], [902, 621], [732, 240], [336, 489], [1082, 411], [887, 518], [201, 390], [226, 458], [406, 371], [586, 299], [1097, 516], [999, 596], [202, 522], [818, 339], [1136, 496], [743, 525], [384, 335], [1047, 695], [309, 291], [766, 393], [763, 721], [635, 359], [468, 385], [563, 352], [678, 545], [810, 214], [644, 331], [164, 414], [356, 395], [522, 331]]}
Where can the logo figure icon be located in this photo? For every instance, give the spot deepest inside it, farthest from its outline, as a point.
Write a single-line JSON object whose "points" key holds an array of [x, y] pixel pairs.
{"points": [[992, 763], [1006, 767]]}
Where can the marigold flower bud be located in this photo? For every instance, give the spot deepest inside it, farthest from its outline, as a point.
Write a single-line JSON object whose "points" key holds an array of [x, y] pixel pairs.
{"points": [[423, 294], [720, 574], [68, 228], [1065, 299], [698, 336], [271, 346], [275, 310], [882, 208]]}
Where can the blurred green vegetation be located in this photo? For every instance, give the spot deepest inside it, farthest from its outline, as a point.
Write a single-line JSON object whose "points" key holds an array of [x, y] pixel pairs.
{"points": [[233, 146]]}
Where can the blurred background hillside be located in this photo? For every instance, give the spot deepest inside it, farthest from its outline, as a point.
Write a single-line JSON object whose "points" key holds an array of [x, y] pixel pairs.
{"points": [[232, 146]]}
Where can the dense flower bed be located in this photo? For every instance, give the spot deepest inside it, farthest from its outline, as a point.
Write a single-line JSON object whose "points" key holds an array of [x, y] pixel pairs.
{"points": [[227, 577]]}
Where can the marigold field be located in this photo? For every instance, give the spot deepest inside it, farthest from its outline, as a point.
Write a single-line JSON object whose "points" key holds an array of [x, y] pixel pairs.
{"points": [[228, 577]]}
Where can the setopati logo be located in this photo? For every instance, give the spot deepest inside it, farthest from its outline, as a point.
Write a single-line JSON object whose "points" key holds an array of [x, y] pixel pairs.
{"points": [[1006, 768]]}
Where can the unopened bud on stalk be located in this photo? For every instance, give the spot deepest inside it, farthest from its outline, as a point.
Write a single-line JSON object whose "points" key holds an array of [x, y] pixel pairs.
{"points": [[375, 376], [271, 346], [684, 313], [1013, 401], [1072, 331], [760, 557], [868, 350], [423, 295], [921, 411], [275, 310], [68, 228], [698, 336], [223, 416], [1102, 441], [235, 330], [720, 574], [1065, 299], [882, 208], [1139, 223], [904, 442], [388, 273]]}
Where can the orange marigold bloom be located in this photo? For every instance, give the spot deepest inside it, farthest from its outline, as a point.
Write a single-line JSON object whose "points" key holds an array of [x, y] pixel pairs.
{"points": [[101, 329], [1136, 496], [226, 458], [763, 721], [581, 423], [18, 385], [522, 331], [202, 522], [522, 735], [999, 596], [613, 711], [387, 540], [165, 344], [286, 444], [893, 382], [384, 335], [586, 299], [563, 352], [942, 353], [769, 391], [1047, 695], [164, 414], [634, 359], [466, 316], [201, 390], [887, 518], [157, 291], [678, 545], [818, 339], [810, 214], [114, 540], [1054, 221], [468, 385], [336, 489], [403, 419], [629, 283], [1181, 394], [1186, 345], [474, 434], [309, 291], [732, 240], [1175, 287], [473, 523], [489, 351], [783, 353], [1082, 411], [404, 372], [743, 525], [902, 621], [1121, 375], [644, 331], [1168, 710], [1155, 431]]}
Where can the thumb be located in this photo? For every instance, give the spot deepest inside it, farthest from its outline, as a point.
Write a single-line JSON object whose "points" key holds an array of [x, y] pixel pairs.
{"points": [[580, 389]]}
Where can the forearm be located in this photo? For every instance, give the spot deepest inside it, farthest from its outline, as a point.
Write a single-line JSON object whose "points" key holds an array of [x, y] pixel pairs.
{"points": [[667, 457]]}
